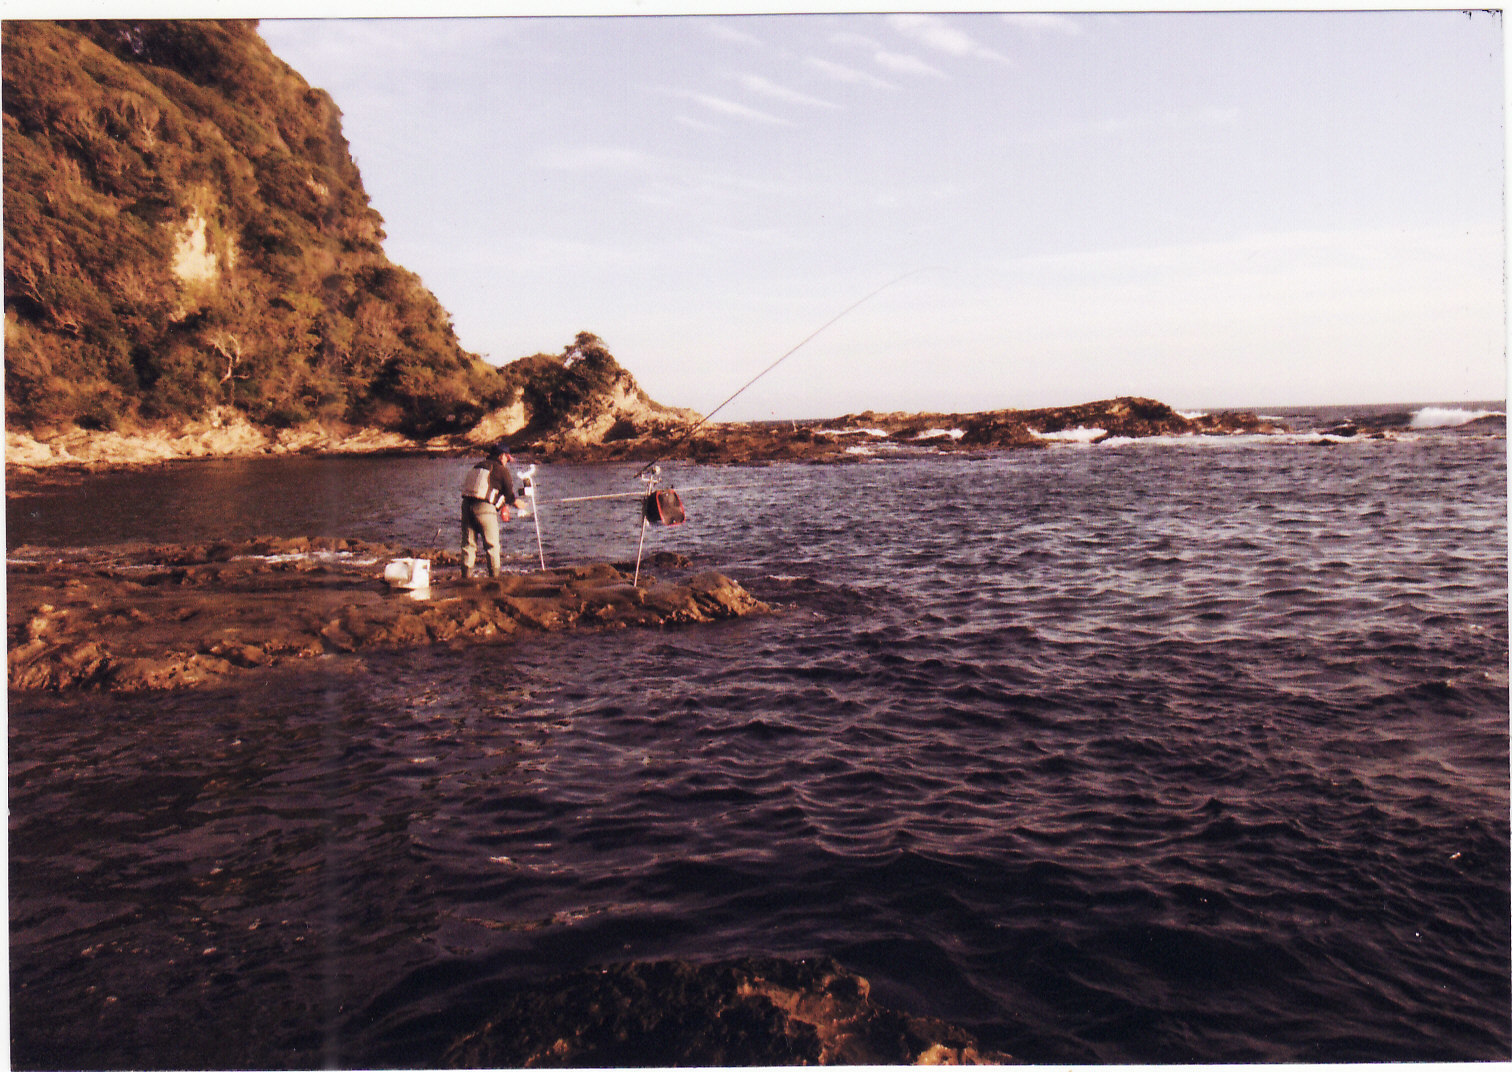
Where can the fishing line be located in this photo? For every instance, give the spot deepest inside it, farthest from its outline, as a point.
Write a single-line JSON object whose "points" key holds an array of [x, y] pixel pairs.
{"points": [[689, 433], [638, 494], [649, 466]]}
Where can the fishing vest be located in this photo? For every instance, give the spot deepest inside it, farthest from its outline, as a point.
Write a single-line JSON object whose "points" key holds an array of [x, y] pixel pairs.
{"points": [[478, 485]]}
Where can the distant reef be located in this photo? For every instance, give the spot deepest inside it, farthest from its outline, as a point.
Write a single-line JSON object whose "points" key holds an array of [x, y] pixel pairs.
{"points": [[854, 436]]}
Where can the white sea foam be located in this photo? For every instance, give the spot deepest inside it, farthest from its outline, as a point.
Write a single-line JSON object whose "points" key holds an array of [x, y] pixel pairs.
{"points": [[874, 432], [1185, 439], [1191, 414], [328, 558], [867, 451], [1248, 439], [1448, 417], [940, 433], [1071, 435]]}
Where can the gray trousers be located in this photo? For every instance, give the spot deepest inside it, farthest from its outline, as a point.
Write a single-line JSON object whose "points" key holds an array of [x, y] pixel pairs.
{"points": [[479, 519]]}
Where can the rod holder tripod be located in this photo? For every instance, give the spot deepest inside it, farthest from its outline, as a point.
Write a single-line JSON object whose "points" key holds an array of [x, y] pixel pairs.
{"points": [[650, 479]]}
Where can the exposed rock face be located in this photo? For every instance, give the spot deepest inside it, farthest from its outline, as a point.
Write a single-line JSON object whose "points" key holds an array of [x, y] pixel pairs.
{"points": [[171, 617], [221, 433], [584, 401], [185, 229], [559, 408], [740, 1013]]}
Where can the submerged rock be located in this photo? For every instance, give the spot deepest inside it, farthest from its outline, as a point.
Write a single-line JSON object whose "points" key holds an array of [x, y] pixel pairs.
{"points": [[757, 1011], [172, 617]]}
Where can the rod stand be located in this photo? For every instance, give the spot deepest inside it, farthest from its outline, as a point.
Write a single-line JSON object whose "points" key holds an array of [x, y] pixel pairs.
{"points": [[650, 479]]}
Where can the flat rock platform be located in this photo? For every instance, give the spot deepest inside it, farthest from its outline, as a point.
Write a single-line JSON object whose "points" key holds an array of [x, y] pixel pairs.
{"points": [[129, 620]]}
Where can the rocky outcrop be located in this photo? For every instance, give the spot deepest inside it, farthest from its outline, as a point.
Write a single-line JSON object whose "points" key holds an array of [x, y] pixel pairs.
{"points": [[845, 438], [583, 403], [758, 1011], [1124, 417], [222, 433], [185, 229], [171, 617], [563, 406]]}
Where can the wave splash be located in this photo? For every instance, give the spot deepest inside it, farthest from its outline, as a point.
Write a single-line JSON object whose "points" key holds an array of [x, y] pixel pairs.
{"points": [[1449, 417]]}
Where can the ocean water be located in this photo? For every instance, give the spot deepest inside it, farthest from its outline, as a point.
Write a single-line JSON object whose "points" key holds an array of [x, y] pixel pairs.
{"points": [[1174, 751]]}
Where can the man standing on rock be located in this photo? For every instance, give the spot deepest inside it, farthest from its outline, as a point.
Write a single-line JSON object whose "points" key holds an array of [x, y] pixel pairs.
{"points": [[488, 492]]}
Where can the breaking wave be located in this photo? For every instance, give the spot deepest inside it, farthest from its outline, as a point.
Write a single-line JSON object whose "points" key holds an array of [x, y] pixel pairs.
{"points": [[1071, 435], [1449, 417]]}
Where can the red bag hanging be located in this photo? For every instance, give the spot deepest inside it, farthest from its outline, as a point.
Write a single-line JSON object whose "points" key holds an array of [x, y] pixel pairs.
{"points": [[664, 508]]}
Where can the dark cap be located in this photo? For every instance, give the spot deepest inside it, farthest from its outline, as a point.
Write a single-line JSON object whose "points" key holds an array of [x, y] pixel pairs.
{"points": [[498, 451]]}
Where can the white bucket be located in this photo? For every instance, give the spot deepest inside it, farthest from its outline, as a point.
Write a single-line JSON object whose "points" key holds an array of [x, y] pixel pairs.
{"points": [[408, 573]]}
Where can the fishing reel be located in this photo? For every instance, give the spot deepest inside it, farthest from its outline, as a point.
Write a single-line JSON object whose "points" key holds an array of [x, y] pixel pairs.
{"points": [[527, 488]]}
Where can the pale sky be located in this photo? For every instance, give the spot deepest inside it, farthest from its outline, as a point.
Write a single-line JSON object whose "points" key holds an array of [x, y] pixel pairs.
{"points": [[1218, 209]]}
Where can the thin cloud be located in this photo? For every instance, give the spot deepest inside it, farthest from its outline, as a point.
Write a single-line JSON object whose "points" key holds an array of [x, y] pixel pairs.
{"points": [[700, 124], [904, 63], [721, 28], [841, 73], [854, 40], [1037, 23], [900, 62], [767, 88], [942, 36], [667, 177], [740, 111], [599, 158]]}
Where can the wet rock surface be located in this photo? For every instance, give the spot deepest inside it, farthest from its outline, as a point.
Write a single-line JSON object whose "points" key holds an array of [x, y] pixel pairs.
{"points": [[178, 616], [757, 1011]]}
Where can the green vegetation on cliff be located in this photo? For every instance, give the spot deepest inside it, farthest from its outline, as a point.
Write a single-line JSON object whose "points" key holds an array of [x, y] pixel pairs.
{"points": [[185, 228]]}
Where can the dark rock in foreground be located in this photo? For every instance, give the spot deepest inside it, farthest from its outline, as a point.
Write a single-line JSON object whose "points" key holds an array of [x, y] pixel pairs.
{"points": [[170, 617], [759, 1011]]}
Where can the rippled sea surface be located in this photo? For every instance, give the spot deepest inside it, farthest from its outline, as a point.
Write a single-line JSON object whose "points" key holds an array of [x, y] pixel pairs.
{"points": [[1157, 752]]}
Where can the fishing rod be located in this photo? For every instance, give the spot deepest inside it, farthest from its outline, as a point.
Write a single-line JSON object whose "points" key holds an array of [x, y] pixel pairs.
{"points": [[650, 497], [689, 433]]}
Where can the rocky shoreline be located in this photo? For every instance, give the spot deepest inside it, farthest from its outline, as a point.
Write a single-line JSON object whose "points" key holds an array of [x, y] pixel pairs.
{"points": [[227, 434], [173, 617]]}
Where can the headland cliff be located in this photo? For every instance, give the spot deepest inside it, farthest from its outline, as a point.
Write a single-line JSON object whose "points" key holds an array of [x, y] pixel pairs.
{"points": [[193, 269]]}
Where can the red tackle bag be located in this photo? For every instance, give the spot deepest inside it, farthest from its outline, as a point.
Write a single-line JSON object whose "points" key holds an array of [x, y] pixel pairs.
{"points": [[664, 508]]}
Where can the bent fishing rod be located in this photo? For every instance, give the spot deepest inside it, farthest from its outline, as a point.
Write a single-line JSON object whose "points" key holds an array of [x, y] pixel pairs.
{"points": [[809, 338]]}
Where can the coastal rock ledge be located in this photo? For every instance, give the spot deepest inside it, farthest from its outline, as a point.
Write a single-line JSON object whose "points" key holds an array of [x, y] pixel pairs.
{"points": [[173, 617]]}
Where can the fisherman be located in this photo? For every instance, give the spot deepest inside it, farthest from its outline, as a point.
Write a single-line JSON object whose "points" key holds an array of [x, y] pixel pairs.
{"points": [[488, 491]]}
